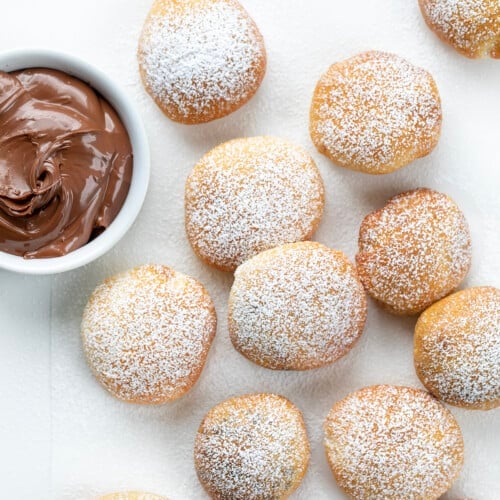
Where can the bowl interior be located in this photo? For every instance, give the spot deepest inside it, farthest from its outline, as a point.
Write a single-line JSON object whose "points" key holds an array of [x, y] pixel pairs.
{"points": [[123, 105]]}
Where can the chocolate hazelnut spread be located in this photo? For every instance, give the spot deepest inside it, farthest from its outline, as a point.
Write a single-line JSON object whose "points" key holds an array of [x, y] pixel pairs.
{"points": [[65, 163]]}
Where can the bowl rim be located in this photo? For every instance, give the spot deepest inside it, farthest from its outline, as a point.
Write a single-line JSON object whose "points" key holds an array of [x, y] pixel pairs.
{"points": [[124, 105]]}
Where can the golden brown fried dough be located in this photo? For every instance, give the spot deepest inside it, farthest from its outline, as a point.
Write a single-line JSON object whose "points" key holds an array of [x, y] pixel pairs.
{"points": [[472, 27], [388, 443], [457, 348], [375, 113], [146, 333], [414, 251], [252, 447], [296, 307], [249, 195], [200, 59]]}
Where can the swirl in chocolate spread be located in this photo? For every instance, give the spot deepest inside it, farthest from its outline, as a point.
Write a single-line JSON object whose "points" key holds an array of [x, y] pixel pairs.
{"points": [[65, 163]]}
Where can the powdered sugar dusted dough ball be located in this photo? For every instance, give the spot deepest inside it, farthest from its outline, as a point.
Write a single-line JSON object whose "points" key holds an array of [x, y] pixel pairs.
{"points": [[472, 27], [200, 59], [252, 447], [249, 195], [414, 251], [296, 307], [388, 443], [457, 348], [375, 113], [146, 333]]}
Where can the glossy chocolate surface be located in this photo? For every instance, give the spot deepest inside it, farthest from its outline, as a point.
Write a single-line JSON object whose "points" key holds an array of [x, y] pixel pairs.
{"points": [[65, 163]]}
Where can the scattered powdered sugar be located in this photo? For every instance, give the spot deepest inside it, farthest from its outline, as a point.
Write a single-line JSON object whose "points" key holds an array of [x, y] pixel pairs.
{"points": [[249, 195], [457, 344], [146, 333], [297, 306], [375, 112], [200, 56], [132, 495], [252, 447], [473, 26], [387, 442], [414, 251]]}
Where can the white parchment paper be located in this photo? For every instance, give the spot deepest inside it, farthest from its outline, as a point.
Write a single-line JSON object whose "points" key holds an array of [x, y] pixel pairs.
{"points": [[62, 436]]}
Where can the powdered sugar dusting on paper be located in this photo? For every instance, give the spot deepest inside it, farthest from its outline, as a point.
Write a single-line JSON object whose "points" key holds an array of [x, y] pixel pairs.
{"points": [[146, 333], [198, 57], [471, 25], [296, 306], [251, 448], [459, 352], [375, 111], [393, 442], [414, 251], [132, 495], [250, 195]]}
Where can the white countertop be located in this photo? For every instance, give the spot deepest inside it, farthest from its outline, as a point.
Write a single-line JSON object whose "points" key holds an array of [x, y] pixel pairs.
{"points": [[62, 436]]}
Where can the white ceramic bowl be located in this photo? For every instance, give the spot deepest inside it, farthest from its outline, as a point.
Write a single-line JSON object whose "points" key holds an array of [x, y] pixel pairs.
{"points": [[124, 106]]}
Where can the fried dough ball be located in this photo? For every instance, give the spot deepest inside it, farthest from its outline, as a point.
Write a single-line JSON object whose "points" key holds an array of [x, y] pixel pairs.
{"points": [[252, 447], [388, 443], [248, 195], [472, 27], [375, 113], [457, 348], [414, 251], [200, 59], [296, 307], [146, 333]]}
